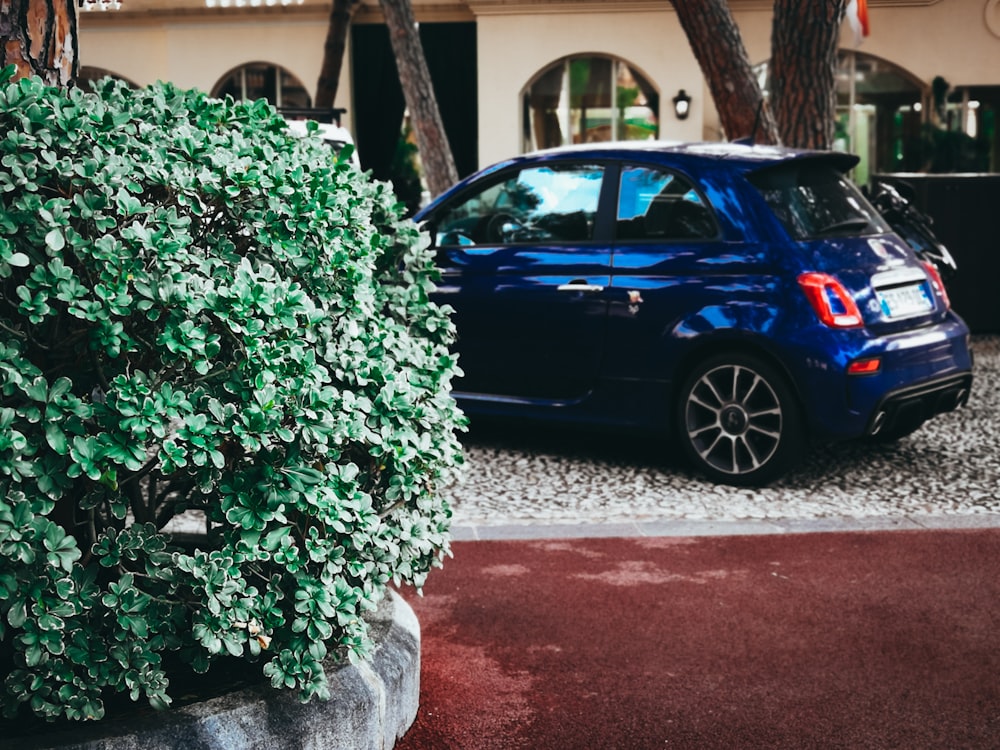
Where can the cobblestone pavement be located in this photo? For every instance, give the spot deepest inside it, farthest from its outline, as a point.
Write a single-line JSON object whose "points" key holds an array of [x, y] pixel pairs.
{"points": [[531, 482]]}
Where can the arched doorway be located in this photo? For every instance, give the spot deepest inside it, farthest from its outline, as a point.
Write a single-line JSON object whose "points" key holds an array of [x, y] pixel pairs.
{"points": [[897, 123], [586, 99], [382, 132], [880, 112]]}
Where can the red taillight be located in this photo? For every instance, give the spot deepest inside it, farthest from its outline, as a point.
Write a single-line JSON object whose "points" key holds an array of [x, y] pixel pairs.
{"points": [[938, 284], [831, 301], [864, 366]]}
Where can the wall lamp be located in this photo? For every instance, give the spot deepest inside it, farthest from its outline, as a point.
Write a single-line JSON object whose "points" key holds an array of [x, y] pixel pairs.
{"points": [[682, 105]]}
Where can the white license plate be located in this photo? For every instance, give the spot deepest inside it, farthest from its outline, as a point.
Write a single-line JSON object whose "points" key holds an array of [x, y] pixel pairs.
{"points": [[901, 301]]}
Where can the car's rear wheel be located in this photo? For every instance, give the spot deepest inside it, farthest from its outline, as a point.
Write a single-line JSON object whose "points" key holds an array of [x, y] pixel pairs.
{"points": [[738, 420]]}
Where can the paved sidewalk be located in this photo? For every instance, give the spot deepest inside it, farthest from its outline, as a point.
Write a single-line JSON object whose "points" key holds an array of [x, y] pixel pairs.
{"points": [[948, 472]]}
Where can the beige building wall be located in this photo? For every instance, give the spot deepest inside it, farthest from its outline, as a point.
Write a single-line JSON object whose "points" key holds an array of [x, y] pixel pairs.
{"points": [[139, 54], [512, 51], [956, 39], [198, 53]]}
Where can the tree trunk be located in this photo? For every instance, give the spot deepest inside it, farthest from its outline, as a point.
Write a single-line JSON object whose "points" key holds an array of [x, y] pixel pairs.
{"points": [[718, 46], [432, 142], [803, 65], [39, 37], [333, 51]]}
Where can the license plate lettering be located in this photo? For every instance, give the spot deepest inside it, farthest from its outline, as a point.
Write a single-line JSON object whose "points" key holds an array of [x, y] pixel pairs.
{"points": [[901, 301]]}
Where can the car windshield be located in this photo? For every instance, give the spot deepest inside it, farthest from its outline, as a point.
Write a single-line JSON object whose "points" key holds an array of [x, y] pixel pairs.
{"points": [[816, 201]]}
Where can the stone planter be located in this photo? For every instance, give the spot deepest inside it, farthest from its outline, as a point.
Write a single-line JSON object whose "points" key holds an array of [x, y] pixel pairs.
{"points": [[371, 706]]}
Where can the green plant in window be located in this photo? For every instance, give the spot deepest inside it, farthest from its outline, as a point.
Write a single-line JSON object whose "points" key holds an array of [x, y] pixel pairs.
{"points": [[202, 313]]}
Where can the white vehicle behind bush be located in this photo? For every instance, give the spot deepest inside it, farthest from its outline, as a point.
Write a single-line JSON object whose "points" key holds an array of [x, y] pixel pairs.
{"points": [[329, 130]]}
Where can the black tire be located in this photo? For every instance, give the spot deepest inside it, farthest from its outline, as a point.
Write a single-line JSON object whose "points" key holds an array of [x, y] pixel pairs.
{"points": [[738, 421]]}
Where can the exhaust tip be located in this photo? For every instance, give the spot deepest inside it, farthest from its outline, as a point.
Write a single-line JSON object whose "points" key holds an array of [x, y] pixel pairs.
{"points": [[877, 423]]}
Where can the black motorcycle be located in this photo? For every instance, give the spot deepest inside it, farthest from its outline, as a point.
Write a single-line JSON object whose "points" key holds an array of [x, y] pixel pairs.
{"points": [[913, 225]]}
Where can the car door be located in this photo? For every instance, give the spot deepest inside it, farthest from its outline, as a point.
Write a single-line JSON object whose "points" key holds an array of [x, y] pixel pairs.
{"points": [[525, 268], [672, 270]]}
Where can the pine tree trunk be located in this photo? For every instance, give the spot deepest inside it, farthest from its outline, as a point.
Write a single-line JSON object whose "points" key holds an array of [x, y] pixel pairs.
{"points": [[333, 51], [432, 142], [803, 65], [39, 37], [710, 29]]}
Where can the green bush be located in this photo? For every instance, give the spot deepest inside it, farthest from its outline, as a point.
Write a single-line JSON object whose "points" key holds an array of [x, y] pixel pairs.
{"points": [[203, 313]]}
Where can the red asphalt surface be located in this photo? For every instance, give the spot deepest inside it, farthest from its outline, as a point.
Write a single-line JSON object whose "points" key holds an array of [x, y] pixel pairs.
{"points": [[821, 640]]}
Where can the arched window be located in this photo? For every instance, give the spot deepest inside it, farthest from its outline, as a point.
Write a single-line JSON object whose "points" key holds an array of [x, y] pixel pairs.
{"points": [[261, 80], [585, 99], [89, 74]]}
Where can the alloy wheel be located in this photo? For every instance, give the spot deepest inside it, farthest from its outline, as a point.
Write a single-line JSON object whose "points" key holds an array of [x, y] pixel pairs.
{"points": [[733, 419]]}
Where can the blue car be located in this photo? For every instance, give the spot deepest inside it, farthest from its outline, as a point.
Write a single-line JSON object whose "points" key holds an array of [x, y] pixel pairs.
{"points": [[747, 299]]}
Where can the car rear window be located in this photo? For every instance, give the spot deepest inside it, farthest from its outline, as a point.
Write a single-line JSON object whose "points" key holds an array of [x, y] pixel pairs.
{"points": [[815, 200]]}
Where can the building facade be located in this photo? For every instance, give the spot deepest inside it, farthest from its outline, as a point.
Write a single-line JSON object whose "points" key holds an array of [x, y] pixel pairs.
{"points": [[515, 75]]}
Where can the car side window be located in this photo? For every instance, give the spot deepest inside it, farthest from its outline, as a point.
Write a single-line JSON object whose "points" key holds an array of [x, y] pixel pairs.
{"points": [[655, 204], [553, 203]]}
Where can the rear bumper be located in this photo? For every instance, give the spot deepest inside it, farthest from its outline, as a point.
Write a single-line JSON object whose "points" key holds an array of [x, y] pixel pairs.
{"points": [[922, 372], [908, 408]]}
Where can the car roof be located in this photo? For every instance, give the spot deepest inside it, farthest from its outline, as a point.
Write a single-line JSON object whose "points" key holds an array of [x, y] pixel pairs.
{"points": [[753, 156], [742, 157]]}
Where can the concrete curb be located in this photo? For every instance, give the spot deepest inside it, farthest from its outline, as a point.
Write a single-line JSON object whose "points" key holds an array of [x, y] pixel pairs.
{"points": [[371, 706], [526, 531]]}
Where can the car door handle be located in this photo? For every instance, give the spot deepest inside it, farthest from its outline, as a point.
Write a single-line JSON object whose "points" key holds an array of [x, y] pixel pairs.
{"points": [[579, 286]]}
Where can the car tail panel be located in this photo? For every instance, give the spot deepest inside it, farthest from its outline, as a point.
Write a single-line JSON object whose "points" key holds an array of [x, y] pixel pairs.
{"points": [[892, 290]]}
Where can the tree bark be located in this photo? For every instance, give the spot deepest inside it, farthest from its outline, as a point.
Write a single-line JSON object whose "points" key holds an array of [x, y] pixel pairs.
{"points": [[803, 65], [333, 51], [718, 47], [418, 92], [39, 37]]}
